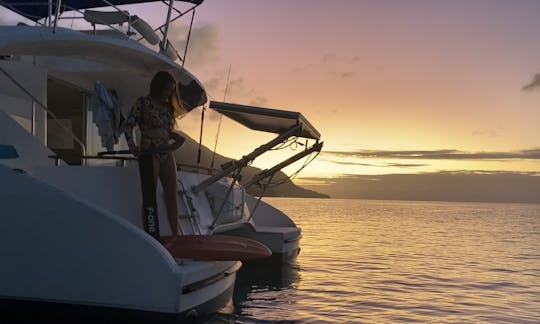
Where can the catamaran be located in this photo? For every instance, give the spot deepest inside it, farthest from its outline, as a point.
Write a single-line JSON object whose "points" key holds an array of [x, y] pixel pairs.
{"points": [[71, 204]]}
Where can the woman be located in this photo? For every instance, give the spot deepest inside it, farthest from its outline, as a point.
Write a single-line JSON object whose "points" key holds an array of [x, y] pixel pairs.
{"points": [[155, 115]]}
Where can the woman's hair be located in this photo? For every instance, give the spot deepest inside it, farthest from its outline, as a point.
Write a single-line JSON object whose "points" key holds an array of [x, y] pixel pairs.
{"points": [[159, 81]]}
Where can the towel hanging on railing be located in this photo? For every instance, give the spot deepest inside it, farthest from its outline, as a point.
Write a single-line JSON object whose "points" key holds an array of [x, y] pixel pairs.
{"points": [[106, 115]]}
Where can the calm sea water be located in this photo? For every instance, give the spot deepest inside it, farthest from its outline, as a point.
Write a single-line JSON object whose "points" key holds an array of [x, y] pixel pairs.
{"points": [[400, 262]]}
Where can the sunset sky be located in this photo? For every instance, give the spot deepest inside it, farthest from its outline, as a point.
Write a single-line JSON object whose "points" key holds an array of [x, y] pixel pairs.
{"points": [[427, 86], [394, 87]]}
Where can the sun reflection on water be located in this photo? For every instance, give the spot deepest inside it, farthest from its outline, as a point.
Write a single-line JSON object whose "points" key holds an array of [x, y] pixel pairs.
{"points": [[392, 261]]}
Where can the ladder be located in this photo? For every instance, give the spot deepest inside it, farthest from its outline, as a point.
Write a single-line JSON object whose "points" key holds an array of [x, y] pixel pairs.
{"points": [[188, 218]]}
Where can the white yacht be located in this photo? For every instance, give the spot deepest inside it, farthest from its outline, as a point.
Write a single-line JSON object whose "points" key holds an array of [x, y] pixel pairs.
{"points": [[71, 205], [72, 234]]}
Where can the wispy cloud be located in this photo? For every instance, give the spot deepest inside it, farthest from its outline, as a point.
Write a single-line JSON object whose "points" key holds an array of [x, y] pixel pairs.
{"points": [[344, 176], [302, 68], [236, 89], [491, 132], [356, 59], [203, 43], [377, 165], [437, 154], [342, 75], [533, 84], [329, 58], [259, 101], [351, 163], [340, 67], [347, 75], [216, 84], [406, 165]]}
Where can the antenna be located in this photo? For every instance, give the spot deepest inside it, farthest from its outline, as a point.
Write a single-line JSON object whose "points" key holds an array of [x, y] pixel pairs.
{"points": [[220, 117]]}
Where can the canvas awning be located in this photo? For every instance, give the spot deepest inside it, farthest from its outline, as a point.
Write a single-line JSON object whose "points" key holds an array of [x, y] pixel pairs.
{"points": [[266, 119]]}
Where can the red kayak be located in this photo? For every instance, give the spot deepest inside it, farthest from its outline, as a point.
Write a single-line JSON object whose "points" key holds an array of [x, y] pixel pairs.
{"points": [[215, 248]]}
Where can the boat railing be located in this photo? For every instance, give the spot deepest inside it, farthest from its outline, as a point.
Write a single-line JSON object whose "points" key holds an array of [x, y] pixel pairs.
{"points": [[36, 101], [120, 159], [196, 168], [121, 162], [110, 21]]}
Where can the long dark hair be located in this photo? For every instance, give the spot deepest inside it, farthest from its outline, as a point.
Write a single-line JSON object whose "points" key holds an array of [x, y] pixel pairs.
{"points": [[157, 84]]}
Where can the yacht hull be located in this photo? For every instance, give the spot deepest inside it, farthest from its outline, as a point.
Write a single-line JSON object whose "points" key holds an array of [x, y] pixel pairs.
{"points": [[60, 250], [18, 311]]}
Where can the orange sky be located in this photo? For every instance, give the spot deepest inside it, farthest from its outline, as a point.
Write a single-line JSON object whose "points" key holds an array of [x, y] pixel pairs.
{"points": [[402, 75], [379, 75]]}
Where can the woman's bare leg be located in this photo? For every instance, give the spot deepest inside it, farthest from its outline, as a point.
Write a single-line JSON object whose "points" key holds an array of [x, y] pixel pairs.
{"points": [[167, 177]]}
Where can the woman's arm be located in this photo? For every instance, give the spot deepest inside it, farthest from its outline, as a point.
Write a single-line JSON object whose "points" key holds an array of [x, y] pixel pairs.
{"points": [[129, 124]]}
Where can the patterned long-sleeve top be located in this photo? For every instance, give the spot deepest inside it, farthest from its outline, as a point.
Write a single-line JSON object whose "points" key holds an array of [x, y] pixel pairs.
{"points": [[155, 122]]}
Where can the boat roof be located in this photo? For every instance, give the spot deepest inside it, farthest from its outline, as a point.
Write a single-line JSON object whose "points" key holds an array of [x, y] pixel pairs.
{"points": [[111, 53], [36, 10], [265, 119]]}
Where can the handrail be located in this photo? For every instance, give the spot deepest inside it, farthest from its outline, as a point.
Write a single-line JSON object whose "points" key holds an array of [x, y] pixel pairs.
{"points": [[122, 159], [270, 172], [44, 107], [239, 164], [55, 16], [210, 171]]}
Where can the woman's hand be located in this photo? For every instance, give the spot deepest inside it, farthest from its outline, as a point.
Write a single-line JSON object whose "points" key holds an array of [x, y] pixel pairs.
{"points": [[135, 150], [178, 140]]}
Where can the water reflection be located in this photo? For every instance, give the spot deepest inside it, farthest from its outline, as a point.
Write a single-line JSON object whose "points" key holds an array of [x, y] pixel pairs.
{"points": [[396, 262], [260, 290], [264, 277]]}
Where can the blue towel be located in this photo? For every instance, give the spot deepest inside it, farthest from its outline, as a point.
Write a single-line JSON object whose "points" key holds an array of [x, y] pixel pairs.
{"points": [[106, 116]]}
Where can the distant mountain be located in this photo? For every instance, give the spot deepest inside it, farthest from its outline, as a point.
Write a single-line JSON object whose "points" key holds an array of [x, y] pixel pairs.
{"points": [[463, 186], [187, 155]]}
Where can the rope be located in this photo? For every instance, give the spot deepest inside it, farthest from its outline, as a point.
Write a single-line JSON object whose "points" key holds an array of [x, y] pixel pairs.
{"points": [[189, 35]]}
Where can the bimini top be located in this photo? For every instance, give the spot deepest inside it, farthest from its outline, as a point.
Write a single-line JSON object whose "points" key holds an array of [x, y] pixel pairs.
{"points": [[265, 119], [38, 9]]}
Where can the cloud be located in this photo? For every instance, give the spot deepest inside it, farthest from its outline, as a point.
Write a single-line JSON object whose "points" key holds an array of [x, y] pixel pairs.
{"points": [[356, 59], [342, 75], [406, 165], [217, 84], [491, 132], [347, 75], [375, 165], [329, 58], [351, 163], [437, 154], [535, 83], [259, 101], [339, 67], [203, 42], [236, 90], [298, 69]]}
